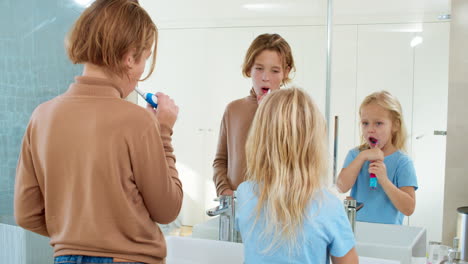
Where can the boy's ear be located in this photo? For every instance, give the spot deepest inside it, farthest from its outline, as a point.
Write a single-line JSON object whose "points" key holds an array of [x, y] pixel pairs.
{"points": [[286, 72], [129, 58]]}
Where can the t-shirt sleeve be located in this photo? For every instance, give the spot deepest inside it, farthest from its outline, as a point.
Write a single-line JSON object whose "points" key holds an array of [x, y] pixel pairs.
{"points": [[342, 237], [406, 174], [352, 154], [240, 193]]}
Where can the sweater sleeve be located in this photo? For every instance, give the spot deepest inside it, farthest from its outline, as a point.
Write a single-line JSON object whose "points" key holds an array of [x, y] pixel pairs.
{"points": [[29, 204], [156, 176], [220, 162]]}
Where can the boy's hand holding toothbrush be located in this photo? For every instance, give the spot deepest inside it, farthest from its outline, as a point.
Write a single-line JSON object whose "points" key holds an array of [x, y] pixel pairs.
{"points": [[162, 106], [167, 110]]}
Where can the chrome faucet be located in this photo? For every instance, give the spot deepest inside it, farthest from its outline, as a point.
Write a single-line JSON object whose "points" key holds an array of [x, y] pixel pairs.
{"points": [[227, 218], [350, 208]]}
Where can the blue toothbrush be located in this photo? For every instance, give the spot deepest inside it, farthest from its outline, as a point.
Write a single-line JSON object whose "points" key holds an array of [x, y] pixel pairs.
{"points": [[149, 97]]}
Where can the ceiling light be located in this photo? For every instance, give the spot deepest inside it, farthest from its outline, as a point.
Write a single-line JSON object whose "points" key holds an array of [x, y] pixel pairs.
{"points": [[444, 17]]}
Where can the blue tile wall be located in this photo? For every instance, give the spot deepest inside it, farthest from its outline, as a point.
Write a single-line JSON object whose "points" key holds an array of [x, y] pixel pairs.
{"points": [[33, 68]]}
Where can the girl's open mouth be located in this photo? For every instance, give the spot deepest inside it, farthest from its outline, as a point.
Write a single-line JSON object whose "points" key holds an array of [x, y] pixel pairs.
{"points": [[373, 141]]}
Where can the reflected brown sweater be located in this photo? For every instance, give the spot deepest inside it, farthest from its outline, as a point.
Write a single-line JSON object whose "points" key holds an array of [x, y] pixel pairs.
{"points": [[230, 164], [94, 174]]}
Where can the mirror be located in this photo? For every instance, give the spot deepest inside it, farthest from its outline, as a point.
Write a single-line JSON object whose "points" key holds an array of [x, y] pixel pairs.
{"points": [[400, 46]]}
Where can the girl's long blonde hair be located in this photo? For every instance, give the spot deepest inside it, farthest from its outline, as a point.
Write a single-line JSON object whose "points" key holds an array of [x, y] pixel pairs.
{"points": [[390, 103], [286, 153]]}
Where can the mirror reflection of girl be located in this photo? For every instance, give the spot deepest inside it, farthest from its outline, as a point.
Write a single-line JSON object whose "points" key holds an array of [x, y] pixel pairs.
{"points": [[284, 214], [381, 119], [268, 62]]}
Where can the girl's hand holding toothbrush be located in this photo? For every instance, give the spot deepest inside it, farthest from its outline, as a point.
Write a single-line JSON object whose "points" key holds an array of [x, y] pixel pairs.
{"points": [[379, 169], [375, 157], [373, 154]]}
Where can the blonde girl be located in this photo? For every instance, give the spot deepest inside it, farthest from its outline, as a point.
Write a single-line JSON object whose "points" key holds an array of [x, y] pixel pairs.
{"points": [[381, 153], [285, 215]]}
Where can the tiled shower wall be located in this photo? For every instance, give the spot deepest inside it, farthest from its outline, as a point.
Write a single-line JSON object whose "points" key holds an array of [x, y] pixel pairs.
{"points": [[33, 68]]}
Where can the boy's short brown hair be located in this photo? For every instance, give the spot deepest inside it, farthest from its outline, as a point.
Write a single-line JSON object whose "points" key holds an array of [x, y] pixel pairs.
{"points": [[272, 42], [107, 30]]}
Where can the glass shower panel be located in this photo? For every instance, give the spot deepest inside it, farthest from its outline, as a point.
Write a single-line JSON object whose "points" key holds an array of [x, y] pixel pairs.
{"points": [[33, 69]]}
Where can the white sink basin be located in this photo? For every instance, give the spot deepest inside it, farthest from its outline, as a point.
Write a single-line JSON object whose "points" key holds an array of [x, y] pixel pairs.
{"points": [[402, 243], [187, 250], [393, 242], [367, 260]]}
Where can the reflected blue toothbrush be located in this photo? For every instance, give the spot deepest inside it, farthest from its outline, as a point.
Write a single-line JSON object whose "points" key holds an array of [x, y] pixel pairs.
{"points": [[373, 178], [152, 99]]}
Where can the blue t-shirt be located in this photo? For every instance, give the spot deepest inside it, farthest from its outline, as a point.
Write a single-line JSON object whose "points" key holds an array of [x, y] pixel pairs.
{"points": [[326, 231], [377, 206]]}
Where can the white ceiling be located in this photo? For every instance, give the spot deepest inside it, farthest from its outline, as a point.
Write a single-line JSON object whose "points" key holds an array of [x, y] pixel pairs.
{"points": [[166, 12]]}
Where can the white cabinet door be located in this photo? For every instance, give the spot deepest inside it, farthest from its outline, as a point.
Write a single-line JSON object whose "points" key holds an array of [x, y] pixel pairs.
{"points": [[429, 115], [343, 92], [366, 59], [224, 83]]}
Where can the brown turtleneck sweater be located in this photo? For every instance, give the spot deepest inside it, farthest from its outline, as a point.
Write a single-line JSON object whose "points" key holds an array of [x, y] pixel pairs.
{"points": [[229, 164], [94, 174]]}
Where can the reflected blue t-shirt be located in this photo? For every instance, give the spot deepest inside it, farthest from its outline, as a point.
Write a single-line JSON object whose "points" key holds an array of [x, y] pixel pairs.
{"points": [[377, 206], [327, 231]]}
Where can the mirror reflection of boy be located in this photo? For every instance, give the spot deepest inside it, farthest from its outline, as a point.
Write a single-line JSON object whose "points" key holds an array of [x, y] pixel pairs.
{"points": [[268, 62]]}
